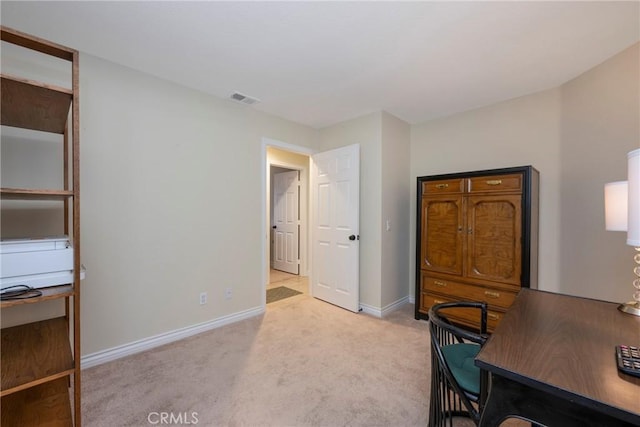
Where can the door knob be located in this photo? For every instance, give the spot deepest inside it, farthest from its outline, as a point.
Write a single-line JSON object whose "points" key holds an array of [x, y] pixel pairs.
{"points": [[274, 227], [352, 237]]}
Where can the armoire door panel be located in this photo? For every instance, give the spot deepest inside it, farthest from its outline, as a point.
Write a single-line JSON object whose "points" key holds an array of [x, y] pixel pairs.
{"points": [[441, 244], [494, 232]]}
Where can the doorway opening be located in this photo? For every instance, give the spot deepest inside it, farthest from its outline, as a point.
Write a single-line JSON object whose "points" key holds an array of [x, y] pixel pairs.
{"points": [[331, 219], [286, 216], [285, 219]]}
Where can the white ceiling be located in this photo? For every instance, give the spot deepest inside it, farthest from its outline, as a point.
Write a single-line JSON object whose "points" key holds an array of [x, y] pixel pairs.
{"points": [[319, 63]]}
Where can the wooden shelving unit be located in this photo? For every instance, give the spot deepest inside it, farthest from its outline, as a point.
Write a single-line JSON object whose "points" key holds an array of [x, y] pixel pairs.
{"points": [[53, 292], [35, 105], [41, 360], [46, 404], [22, 367], [26, 194]]}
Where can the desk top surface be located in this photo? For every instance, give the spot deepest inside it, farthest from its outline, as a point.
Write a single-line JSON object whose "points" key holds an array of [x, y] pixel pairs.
{"points": [[566, 346]]}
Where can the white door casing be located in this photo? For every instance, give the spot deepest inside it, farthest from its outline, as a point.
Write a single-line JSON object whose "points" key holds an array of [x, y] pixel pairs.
{"points": [[286, 221], [335, 206]]}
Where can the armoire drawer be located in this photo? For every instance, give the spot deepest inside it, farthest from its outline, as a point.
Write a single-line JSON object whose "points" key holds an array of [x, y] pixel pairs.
{"points": [[445, 186], [495, 183], [465, 316], [464, 291]]}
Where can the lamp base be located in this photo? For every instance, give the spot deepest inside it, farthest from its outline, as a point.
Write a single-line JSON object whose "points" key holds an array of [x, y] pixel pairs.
{"points": [[632, 307]]}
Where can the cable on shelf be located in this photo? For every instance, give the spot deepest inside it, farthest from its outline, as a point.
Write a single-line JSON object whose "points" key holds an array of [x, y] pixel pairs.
{"points": [[18, 292]]}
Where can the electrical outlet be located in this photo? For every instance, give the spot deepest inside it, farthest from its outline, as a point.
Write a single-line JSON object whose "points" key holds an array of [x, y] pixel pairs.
{"points": [[203, 298], [228, 293]]}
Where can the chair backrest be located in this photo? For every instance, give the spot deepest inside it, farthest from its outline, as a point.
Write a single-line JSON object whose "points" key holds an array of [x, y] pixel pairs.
{"points": [[443, 334]]}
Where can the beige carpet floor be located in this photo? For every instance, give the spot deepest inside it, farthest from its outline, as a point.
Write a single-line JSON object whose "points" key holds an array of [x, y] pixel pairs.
{"points": [[303, 363]]}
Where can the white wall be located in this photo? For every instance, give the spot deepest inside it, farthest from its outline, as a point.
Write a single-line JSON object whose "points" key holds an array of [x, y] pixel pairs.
{"points": [[384, 195], [600, 125], [366, 132], [395, 202], [170, 204]]}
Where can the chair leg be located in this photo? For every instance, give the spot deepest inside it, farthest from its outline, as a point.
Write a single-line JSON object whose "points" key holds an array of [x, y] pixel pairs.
{"points": [[435, 403], [444, 403], [438, 401]]}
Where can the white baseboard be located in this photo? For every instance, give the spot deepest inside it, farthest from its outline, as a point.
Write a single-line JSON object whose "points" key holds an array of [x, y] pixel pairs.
{"points": [[369, 309], [395, 305], [412, 300], [377, 312], [114, 353]]}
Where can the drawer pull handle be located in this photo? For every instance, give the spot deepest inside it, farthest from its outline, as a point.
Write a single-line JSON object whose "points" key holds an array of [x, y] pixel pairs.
{"points": [[492, 294], [438, 301], [493, 316], [441, 186], [439, 283], [494, 182]]}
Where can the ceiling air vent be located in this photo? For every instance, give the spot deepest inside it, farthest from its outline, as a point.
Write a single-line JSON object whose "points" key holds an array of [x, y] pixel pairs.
{"points": [[237, 96]]}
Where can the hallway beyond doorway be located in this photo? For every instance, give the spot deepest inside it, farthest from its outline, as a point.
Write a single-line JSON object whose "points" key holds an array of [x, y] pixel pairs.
{"points": [[292, 281]]}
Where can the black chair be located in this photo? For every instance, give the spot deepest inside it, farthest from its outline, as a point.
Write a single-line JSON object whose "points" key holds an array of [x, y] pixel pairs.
{"points": [[458, 387]]}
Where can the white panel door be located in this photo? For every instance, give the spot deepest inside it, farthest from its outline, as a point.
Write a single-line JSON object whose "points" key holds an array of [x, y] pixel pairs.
{"points": [[335, 206], [285, 221]]}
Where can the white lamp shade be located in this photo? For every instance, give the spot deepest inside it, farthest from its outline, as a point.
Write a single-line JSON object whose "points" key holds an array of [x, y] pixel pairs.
{"points": [[633, 220], [615, 206]]}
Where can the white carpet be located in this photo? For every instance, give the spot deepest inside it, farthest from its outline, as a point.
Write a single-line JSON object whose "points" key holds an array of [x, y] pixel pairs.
{"points": [[304, 363]]}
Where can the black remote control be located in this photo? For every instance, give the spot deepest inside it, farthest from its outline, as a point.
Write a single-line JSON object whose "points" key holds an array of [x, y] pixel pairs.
{"points": [[628, 358]]}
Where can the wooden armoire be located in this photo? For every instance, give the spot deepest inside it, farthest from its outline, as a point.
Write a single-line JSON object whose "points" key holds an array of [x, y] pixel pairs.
{"points": [[477, 240]]}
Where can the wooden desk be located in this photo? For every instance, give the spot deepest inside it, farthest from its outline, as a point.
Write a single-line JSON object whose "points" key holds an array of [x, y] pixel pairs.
{"points": [[551, 361]]}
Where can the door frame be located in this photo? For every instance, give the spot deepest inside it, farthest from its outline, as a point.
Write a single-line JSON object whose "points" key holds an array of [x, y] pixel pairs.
{"points": [[266, 214]]}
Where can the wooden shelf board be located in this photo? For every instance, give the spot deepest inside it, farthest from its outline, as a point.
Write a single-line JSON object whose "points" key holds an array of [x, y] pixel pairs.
{"points": [[47, 404], [28, 41], [34, 353], [33, 105], [53, 292], [34, 194]]}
